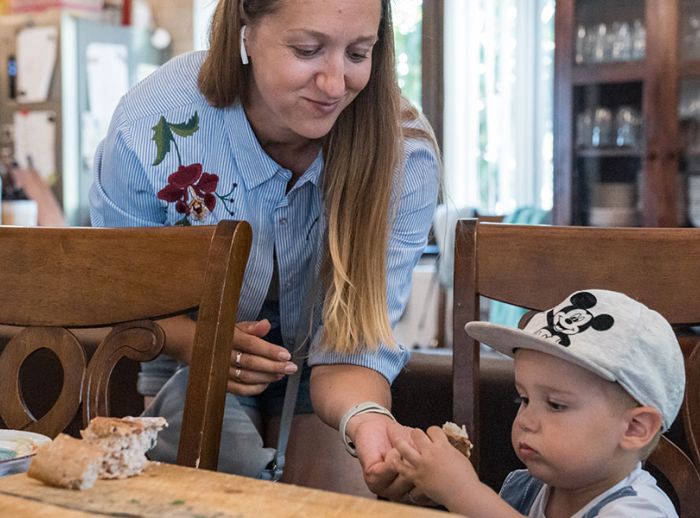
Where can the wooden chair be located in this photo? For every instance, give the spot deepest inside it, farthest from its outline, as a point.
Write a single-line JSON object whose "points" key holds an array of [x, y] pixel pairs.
{"points": [[58, 278], [537, 266]]}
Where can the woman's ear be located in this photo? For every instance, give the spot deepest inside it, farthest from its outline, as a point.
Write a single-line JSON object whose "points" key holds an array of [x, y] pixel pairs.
{"points": [[643, 424]]}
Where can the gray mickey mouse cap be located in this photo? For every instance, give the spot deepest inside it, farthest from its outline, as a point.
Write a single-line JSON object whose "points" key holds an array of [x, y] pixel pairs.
{"points": [[610, 334]]}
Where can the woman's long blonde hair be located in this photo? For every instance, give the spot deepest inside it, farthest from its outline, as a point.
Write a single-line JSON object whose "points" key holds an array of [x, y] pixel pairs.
{"points": [[361, 154]]}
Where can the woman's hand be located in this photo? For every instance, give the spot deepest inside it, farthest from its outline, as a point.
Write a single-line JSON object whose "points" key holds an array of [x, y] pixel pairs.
{"points": [[438, 470], [255, 363], [371, 436]]}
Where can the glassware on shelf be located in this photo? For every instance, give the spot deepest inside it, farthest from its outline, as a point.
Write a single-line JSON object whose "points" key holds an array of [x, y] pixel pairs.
{"points": [[584, 128], [582, 44], [601, 134], [690, 35], [601, 43], [628, 125], [639, 40], [620, 42], [604, 127], [616, 41]]}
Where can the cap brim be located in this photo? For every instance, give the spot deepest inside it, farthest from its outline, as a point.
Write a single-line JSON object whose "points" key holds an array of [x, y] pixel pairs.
{"points": [[507, 340]]}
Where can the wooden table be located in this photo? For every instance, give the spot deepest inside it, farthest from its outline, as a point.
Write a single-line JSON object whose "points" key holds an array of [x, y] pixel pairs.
{"points": [[175, 491]]}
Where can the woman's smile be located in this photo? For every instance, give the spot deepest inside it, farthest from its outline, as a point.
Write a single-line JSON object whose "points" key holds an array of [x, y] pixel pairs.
{"points": [[323, 107]]}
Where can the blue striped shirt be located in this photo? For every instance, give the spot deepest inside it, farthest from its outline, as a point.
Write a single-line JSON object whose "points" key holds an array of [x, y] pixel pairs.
{"points": [[251, 186]]}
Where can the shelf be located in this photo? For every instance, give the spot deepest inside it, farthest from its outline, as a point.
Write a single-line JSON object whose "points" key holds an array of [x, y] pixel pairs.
{"points": [[655, 86], [609, 153], [612, 72]]}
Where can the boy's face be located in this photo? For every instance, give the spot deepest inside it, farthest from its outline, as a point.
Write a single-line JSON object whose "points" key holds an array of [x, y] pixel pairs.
{"points": [[570, 421]]}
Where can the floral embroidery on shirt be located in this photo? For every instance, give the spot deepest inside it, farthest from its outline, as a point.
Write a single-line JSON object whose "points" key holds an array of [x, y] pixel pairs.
{"points": [[191, 188]]}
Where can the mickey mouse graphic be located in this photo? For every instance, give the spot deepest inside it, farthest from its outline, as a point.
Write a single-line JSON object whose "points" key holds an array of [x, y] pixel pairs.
{"points": [[574, 319]]}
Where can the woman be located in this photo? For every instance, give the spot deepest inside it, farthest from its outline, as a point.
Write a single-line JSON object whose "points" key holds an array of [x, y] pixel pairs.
{"points": [[293, 122]]}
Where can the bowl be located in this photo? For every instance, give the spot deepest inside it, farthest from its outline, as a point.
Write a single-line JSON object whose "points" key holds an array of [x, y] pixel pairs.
{"points": [[17, 447]]}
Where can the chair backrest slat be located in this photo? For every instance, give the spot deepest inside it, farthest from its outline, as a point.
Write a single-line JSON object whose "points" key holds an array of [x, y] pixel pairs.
{"points": [[100, 265], [550, 262]]}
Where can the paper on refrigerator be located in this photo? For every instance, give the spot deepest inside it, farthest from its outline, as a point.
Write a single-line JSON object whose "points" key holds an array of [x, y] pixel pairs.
{"points": [[37, 49], [35, 142], [107, 72], [107, 79]]}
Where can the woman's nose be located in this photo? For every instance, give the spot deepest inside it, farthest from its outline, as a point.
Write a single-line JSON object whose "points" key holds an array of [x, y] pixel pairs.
{"points": [[331, 79]]}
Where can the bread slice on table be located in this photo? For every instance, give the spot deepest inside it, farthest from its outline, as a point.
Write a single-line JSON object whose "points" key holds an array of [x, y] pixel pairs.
{"points": [[458, 437], [125, 442], [67, 462], [110, 448]]}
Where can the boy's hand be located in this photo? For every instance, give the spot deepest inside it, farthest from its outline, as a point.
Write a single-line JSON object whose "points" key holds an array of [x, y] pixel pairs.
{"points": [[414, 495], [436, 468]]}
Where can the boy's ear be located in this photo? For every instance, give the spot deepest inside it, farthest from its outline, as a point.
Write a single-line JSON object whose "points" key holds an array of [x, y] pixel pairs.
{"points": [[643, 423]]}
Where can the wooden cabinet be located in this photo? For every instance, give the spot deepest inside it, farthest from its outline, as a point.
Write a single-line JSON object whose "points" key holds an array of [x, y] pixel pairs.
{"points": [[627, 113]]}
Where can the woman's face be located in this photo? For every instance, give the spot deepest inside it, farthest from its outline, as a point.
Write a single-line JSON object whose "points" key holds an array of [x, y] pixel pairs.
{"points": [[309, 59]]}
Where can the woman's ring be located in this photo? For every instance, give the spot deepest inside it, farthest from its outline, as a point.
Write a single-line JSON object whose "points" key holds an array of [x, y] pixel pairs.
{"points": [[239, 354], [237, 375]]}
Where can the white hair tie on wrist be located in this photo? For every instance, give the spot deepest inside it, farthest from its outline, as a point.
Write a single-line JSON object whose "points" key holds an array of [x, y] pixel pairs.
{"points": [[361, 408]]}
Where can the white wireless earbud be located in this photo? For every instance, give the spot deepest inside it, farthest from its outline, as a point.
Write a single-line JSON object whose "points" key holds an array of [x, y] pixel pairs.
{"points": [[244, 54]]}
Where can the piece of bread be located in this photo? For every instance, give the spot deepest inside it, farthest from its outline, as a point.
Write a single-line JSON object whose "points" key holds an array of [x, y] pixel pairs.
{"points": [[458, 437], [110, 448], [67, 462], [125, 442]]}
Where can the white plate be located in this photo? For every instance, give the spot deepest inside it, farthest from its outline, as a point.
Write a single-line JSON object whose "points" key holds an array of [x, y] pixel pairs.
{"points": [[17, 448]]}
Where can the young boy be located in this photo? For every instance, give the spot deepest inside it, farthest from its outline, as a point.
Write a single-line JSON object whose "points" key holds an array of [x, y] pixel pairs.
{"points": [[600, 376]]}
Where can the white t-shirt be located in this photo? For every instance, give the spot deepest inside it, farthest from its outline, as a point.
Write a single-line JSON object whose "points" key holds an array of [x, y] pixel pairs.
{"points": [[636, 496]]}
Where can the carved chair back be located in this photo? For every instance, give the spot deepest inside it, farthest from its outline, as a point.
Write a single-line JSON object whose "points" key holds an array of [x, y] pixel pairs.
{"points": [[55, 280]]}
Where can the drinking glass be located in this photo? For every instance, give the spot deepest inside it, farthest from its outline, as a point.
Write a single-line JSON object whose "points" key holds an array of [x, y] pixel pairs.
{"points": [[627, 127], [600, 43], [601, 134], [621, 42], [584, 128], [581, 43], [639, 39]]}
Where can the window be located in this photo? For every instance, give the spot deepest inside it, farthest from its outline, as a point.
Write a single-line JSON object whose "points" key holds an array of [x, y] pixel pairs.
{"points": [[408, 22], [498, 103]]}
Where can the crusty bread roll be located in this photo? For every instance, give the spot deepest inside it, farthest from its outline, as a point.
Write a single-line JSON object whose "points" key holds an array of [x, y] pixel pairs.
{"points": [[67, 462], [458, 437], [111, 448], [125, 442]]}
